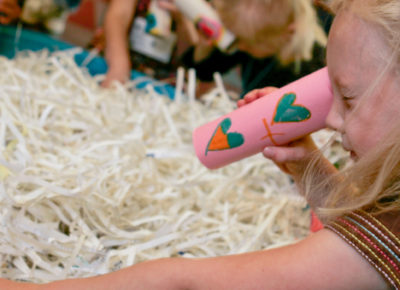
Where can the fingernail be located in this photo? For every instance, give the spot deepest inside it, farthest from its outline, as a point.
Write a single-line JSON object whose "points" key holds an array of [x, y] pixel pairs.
{"points": [[268, 152]]}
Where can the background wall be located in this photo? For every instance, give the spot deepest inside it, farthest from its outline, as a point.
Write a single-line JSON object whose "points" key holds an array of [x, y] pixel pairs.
{"points": [[82, 23]]}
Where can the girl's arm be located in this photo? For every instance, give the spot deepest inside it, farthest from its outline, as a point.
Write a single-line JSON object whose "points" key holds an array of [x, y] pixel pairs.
{"points": [[321, 261], [117, 23]]}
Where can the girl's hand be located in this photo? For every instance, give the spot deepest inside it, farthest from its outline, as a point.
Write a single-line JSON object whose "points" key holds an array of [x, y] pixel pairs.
{"points": [[292, 158], [188, 31], [168, 5], [9, 11]]}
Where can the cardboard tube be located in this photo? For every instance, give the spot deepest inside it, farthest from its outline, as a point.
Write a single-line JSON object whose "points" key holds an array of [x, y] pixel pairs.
{"points": [[289, 113]]}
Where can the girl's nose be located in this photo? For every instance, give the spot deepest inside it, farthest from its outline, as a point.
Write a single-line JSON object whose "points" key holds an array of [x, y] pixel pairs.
{"points": [[334, 119]]}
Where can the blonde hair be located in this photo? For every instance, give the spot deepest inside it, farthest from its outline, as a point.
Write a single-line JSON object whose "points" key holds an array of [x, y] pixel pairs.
{"points": [[257, 18], [373, 181]]}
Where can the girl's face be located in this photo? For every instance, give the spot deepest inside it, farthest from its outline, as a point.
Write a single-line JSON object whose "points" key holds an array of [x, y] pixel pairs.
{"points": [[268, 45], [356, 56], [259, 34]]}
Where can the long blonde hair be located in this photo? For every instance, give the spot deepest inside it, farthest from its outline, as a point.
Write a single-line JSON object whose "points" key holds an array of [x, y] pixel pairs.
{"points": [[374, 181], [258, 18]]}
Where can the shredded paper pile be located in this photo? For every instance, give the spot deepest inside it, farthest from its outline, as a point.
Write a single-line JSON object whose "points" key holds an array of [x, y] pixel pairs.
{"points": [[93, 180]]}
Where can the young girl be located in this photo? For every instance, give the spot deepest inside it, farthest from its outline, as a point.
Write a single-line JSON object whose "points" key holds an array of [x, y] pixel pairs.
{"points": [[277, 43], [128, 45], [359, 247]]}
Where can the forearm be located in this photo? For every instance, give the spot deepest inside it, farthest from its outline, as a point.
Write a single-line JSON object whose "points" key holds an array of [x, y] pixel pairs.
{"points": [[226, 272], [311, 169], [317, 180], [320, 168], [12, 285], [157, 274], [290, 267], [116, 28]]}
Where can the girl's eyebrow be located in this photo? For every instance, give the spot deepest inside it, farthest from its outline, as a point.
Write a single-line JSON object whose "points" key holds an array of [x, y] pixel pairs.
{"points": [[341, 82], [344, 86], [346, 90]]}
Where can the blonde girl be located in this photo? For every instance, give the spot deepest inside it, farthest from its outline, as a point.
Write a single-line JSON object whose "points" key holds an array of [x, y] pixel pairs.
{"points": [[359, 247], [277, 42], [286, 28]]}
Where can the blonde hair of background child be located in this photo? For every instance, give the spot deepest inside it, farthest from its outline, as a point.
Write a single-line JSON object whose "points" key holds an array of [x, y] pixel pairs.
{"points": [[257, 18], [374, 180]]}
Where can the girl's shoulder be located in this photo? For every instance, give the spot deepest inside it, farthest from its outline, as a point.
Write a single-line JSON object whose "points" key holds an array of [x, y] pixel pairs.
{"points": [[375, 237]]}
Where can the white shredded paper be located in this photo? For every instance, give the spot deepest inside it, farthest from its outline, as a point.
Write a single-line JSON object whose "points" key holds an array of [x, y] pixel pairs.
{"points": [[93, 180]]}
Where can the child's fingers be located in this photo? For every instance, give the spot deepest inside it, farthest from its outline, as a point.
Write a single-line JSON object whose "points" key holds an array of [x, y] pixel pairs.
{"points": [[249, 97], [284, 154], [266, 91], [252, 96], [291, 160], [293, 157], [258, 93], [241, 103], [168, 5]]}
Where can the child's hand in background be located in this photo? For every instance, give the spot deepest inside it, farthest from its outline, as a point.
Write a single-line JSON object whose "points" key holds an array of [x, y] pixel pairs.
{"points": [[9, 11], [195, 37], [168, 5], [119, 74]]}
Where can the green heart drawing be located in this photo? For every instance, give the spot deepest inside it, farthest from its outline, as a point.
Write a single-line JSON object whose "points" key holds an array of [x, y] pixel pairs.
{"points": [[287, 112], [222, 140]]}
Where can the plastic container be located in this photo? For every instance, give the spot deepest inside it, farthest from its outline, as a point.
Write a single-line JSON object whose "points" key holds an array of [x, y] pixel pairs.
{"points": [[287, 114]]}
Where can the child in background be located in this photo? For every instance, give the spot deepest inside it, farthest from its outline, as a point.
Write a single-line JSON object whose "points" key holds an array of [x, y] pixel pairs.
{"points": [[360, 246], [278, 41], [118, 20], [128, 45]]}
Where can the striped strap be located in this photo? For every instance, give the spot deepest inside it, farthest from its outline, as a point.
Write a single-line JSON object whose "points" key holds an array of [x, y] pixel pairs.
{"points": [[373, 240]]}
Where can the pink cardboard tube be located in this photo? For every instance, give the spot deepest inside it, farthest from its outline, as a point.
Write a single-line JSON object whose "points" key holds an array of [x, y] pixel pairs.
{"points": [[289, 113]]}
